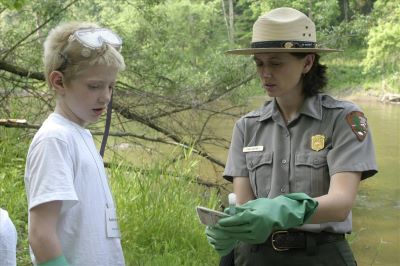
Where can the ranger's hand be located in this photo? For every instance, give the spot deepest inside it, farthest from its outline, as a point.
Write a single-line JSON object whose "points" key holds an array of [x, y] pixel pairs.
{"points": [[255, 220], [219, 240]]}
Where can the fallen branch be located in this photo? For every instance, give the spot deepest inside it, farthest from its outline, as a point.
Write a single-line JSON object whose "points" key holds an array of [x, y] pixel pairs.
{"points": [[18, 123], [22, 123], [132, 115]]}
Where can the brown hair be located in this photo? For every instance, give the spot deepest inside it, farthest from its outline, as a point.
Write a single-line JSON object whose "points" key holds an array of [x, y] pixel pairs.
{"points": [[315, 80]]}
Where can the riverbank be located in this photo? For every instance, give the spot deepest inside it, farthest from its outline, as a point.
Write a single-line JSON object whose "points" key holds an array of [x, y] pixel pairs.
{"points": [[365, 96]]}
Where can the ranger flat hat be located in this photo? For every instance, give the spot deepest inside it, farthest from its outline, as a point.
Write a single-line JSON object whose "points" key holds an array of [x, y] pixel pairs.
{"points": [[283, 30]]}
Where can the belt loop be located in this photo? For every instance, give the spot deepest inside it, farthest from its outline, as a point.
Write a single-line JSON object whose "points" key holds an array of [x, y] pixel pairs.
{"points": [[311, 245]]}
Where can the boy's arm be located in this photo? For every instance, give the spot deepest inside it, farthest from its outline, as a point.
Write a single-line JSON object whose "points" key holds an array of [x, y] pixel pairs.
{"points": [[43, 231]]}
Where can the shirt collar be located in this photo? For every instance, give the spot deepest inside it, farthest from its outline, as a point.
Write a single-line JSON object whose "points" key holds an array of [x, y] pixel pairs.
{"points": [[311, 107], [267, 110]]}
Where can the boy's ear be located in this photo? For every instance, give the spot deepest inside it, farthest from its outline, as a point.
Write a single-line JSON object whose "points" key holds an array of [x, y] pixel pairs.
{"points": [[56, 79]]}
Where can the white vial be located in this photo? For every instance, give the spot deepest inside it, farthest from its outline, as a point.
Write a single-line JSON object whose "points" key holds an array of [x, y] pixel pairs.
{"points": [[232, 203]]}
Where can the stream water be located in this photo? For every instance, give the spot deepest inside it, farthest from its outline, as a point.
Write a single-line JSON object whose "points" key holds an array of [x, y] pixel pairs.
{"points": [[376, 215]]}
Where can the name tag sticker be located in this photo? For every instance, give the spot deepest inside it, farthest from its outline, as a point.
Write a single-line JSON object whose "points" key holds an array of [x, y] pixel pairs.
{"points": [[253, 148], [112, 223]]}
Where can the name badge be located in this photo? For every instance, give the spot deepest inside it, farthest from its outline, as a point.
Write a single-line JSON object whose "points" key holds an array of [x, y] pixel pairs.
{"points": [[112, 223], [253, 148]]}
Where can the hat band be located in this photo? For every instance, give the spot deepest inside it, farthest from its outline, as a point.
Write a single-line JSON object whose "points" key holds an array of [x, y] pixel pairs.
{"points": [[283, 44]]}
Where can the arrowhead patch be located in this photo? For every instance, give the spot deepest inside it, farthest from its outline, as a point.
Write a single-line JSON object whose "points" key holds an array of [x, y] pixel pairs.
{"points": [[358, 123]]}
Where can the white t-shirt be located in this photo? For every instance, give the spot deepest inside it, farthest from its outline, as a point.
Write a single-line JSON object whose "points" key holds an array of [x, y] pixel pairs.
{"points": [[8, 240], [64, 164]]}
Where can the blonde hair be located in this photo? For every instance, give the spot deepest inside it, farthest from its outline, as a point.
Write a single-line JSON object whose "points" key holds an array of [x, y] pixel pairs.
{"points": [[71, 57]]}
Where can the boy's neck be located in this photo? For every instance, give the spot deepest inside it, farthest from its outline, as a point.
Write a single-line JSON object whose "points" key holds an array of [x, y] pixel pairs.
{"points": [[67, 114]]}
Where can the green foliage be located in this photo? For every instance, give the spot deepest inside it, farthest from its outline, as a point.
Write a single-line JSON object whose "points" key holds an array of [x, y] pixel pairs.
{"points": [[324, 13], [24, 36], [384, 44], [180, 51], [13, 4], [347, 34], [344, 70], [176, 48]]}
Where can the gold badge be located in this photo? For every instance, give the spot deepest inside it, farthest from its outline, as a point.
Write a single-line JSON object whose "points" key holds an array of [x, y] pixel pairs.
{"points": [[317, 142]]}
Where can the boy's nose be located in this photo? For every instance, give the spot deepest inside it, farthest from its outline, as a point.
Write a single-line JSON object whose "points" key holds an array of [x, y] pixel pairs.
{"points": [[105, 96]]}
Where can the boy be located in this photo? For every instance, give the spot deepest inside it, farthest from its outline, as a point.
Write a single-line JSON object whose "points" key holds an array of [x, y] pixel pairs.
{"points": [[72, 219]]}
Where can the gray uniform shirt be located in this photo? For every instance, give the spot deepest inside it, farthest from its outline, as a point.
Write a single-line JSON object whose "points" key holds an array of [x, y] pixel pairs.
{"points": [[280, 159]]}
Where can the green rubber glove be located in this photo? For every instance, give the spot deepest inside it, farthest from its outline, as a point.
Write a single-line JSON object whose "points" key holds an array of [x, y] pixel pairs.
{"points": [[255, 220], [219, 240], [59, 261]]}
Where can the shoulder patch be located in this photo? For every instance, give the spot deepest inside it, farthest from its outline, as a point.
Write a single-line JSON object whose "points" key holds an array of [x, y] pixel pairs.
{"points": [[358, 123]]}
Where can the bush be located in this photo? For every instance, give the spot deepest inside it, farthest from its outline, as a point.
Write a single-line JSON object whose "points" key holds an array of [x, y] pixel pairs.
{"points": [[383, 45]]}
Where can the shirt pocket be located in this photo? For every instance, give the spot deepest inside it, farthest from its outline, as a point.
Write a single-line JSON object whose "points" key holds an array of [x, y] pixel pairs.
{"points": [[260, 172], [311, 173]]}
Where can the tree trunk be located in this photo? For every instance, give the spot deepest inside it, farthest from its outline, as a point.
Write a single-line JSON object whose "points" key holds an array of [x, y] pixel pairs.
{"points": [[231, 22], [344, 6], [229, 19]]}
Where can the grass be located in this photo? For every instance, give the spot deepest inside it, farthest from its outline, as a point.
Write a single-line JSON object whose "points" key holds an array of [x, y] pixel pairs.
{"points": [[157, 215], [156, 207]]}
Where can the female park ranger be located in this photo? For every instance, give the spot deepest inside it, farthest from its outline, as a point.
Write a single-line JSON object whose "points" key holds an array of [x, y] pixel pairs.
{"points": [[297, 161]]}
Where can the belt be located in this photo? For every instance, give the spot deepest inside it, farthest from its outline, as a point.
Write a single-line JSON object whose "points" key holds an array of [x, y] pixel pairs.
{"points": [[285, 240]]}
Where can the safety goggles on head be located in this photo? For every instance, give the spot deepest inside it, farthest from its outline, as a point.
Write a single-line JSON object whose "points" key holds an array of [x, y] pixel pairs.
{"points": [[95, 38]]}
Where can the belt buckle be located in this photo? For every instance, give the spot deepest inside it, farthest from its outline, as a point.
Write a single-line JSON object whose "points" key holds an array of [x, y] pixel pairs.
{"points": [[273, 240]]}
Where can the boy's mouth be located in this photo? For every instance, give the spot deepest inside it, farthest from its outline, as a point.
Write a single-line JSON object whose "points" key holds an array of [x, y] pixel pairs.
{"points": [[98, 111]]}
